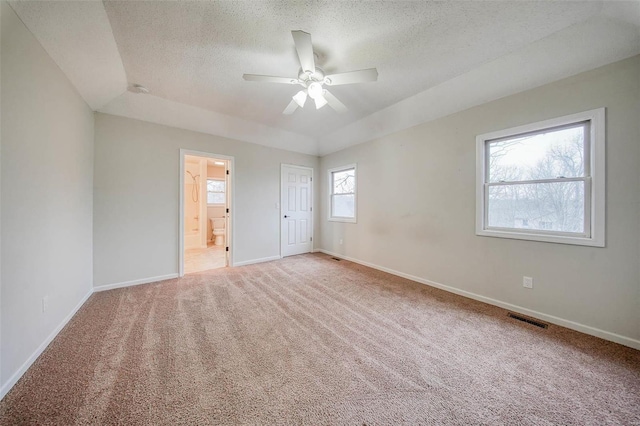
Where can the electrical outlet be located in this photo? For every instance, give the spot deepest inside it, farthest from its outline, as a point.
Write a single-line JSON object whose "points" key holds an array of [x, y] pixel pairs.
{"points": [[45, 303], [527, 282], [340, 240]]}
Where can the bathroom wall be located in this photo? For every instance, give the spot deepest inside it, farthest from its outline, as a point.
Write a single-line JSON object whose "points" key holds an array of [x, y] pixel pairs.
{"points": [[214, 172], [47, 186], [191, 206]]}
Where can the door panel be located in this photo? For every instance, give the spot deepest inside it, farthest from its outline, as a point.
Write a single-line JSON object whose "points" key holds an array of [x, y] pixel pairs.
{"points": [[291, 205], [304, 226], [291, 232], [304, 199], [296, 210]]}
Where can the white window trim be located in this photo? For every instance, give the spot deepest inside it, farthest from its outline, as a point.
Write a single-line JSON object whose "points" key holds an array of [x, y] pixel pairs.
{"points": [[355, 194], [225, 192], [596, 237]]}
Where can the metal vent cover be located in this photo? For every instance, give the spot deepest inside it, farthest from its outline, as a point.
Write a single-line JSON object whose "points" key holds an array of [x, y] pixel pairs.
{"points": [[527, 320]]}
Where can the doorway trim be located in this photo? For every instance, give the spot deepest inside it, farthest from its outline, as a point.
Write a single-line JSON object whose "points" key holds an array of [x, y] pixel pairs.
{"points": [[282, 166], [232, 169]]}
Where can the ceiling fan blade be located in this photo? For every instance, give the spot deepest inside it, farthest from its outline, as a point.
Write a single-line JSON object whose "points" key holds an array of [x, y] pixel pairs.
{"points": [[290, 108], [270, 79], [360, 76], [305, 50], [334, 102]]}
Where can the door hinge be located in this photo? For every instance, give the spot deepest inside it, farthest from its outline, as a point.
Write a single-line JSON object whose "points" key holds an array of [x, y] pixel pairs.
{"points": [[310, 209], [310, 179], [227, 210], [311, 239], [227, 171], [227, 249]]}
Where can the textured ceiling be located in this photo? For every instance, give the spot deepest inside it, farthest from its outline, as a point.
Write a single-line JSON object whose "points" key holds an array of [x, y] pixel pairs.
{"points": [[78, 37], [192, 55], [196, 53]]}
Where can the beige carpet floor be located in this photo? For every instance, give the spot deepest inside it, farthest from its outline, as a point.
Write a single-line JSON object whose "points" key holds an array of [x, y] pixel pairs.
{"points": [[309, 340]]}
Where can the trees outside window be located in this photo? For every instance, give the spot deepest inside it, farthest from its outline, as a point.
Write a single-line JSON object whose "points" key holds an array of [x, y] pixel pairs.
{"points": [[538, 182], [342, 196], [215, 191]]}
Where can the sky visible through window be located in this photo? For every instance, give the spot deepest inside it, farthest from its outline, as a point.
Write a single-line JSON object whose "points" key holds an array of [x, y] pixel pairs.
{"points": [[343, 197], [522, 156], [215, 191], [551, 202]]}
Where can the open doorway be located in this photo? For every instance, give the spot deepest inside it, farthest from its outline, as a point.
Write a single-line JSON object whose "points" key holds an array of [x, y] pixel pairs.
{"points": [[205, 211]]}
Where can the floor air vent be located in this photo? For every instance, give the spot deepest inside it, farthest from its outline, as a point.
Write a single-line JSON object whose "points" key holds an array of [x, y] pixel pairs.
{"points": [[336, 258], [528, 320]]}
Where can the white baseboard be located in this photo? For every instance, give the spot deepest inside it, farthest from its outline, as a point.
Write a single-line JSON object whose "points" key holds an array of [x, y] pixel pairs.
{"points": [[252, 261], [606, 335], [6, 387], [135, 282]]}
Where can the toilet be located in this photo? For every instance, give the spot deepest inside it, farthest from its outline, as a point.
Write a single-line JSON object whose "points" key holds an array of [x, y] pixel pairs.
{"points": [[217, 224]]}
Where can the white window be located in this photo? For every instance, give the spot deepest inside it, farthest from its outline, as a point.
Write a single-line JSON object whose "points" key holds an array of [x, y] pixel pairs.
{"points": [[342, 193], [544, 181], [216, 191]]}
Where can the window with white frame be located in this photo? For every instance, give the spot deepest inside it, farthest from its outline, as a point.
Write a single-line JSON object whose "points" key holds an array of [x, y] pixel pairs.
{"points": [[342, 193], [216, 191], [544, 181]]}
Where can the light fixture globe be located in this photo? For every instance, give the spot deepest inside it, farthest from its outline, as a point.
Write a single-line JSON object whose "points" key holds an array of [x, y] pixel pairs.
{"points": [[300, 98], [315, 90], [320, 102]]}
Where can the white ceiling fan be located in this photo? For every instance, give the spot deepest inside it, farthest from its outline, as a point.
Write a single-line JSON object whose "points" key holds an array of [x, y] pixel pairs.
{"points": [[313, 78]]}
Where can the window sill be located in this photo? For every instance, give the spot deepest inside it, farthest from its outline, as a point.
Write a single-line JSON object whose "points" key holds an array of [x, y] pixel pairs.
{"points": [[342, 219], [545, 238]]}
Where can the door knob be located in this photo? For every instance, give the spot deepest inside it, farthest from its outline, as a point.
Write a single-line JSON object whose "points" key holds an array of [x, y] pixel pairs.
{"points": [[285, 216]]}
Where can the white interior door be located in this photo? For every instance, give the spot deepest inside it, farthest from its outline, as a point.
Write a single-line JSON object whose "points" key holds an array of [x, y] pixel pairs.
{"points": [[296, 210]]}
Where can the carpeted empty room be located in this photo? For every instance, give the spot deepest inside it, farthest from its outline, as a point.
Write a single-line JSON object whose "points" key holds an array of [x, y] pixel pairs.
{"points": [[319, 212], [312, 340]]}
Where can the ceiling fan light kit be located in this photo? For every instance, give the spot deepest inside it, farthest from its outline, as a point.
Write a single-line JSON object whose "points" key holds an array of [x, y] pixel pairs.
{"points": [[313, 78], [300, 98], [315, 90], [320, 102]]}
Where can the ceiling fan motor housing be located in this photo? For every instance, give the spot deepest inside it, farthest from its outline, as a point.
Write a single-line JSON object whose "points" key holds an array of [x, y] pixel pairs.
{"points": [[309, 78]]}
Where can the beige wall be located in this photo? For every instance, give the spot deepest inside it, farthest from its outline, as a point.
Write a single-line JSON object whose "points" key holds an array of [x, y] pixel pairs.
{"points": [[416, 207], [215, 172], [47, 180], [136, 201]]}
